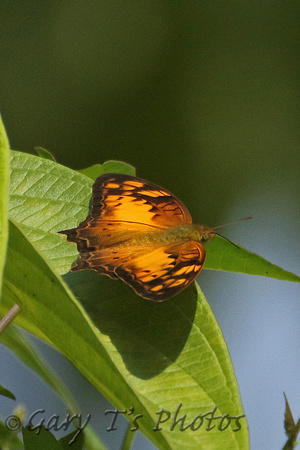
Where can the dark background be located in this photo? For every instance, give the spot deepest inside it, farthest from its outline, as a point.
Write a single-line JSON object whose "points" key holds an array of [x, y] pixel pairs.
{"points": [[203, 99]]}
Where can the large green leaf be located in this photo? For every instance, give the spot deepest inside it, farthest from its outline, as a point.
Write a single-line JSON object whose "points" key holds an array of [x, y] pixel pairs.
{"points": [[46, 197], [4, 182], [143, 355], [150, 356], [50, 311], [171, 352]]}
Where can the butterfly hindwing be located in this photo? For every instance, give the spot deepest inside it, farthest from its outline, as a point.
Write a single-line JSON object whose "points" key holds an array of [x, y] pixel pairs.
{"points": [[106, 260], [165, 271]]}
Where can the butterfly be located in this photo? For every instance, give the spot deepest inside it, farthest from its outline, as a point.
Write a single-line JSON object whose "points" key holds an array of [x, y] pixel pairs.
{"points": [[142, 234]]}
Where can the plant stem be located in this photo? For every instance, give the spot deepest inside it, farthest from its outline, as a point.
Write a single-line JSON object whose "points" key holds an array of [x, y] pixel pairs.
{"points": [[9, 317]]}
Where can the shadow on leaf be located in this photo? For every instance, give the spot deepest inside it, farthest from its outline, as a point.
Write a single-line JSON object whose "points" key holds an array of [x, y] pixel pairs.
{"points": [[149, 336]]}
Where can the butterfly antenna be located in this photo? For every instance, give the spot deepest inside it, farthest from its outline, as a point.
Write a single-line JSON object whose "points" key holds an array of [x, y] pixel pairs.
{"points": [[232, 223]]}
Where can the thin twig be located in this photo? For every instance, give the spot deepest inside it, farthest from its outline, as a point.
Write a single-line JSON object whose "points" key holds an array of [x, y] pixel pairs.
{"points": [[9, 317]]}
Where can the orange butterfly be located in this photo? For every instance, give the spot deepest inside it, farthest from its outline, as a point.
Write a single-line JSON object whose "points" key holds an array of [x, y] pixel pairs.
{"points": [[141, 233]]}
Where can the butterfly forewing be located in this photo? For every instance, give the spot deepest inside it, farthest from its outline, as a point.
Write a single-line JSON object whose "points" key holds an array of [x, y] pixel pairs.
{"points": [[122, 198]]}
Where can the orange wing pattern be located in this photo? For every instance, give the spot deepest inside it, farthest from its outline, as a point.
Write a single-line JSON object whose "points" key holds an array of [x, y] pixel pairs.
{"points": [[123, 206], [122, 198], [164, 272], [111, 241]]}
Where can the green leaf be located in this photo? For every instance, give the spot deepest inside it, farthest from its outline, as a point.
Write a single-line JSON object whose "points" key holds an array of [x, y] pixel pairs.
{"points": [[224, 255], [118, 167], [291, 429], [47, 197], [40, 439], [92, 172], [146, 356], [127, 442], [77, 442], [50, 311], [289, 422], [4, 183], [9, 439], [109, 166], [6, 393], [150, 357], [171, 353], [43, 153]]}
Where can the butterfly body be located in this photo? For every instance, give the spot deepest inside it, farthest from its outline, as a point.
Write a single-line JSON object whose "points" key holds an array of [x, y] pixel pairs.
{"points": [[142, 234], [199, 233], [177, 235]]}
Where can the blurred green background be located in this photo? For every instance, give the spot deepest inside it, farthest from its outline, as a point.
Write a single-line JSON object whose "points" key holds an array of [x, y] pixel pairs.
{"points": [[202, 98]]}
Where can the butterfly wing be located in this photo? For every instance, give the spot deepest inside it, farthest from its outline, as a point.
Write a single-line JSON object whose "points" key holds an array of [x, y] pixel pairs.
{"points": [[164, 272], [131, 200], [106, 260], [122, 207]]}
